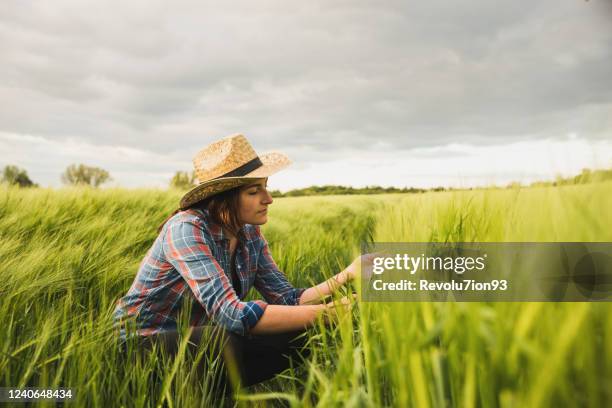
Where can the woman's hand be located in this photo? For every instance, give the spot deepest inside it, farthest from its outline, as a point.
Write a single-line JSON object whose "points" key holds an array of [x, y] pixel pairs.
{"points": [[334, 308], [316, 293], [360, 263]]}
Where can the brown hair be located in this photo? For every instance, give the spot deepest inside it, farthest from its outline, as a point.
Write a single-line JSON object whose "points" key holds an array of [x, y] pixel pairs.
{"points": [[223, 209]]}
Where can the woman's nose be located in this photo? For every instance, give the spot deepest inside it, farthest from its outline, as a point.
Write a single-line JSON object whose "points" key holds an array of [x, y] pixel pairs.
{"points": [[268, 198]]}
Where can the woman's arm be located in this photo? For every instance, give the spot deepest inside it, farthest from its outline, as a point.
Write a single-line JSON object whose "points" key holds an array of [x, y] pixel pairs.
{"points": [[317, 293], [281, 318]]}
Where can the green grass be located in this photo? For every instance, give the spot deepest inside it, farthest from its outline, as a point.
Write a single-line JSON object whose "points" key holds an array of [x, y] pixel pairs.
{"points": [[68, 255]]}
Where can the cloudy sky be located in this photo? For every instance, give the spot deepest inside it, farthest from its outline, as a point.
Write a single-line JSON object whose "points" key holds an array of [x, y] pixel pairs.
{"points": [[355, 92]]}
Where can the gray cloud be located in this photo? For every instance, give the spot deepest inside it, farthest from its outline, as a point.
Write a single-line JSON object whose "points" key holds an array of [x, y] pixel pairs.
{"points": [[318, 79]]}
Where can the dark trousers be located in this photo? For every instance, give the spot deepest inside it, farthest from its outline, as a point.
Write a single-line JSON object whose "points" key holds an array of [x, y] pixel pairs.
{"points": [[249, 359]]}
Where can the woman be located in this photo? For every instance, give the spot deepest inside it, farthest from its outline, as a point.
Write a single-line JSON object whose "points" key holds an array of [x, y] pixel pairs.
{"points": [[208, 254]]}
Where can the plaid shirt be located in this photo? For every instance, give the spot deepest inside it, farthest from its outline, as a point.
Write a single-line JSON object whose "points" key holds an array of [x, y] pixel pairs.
{"points": [[190, 260]]}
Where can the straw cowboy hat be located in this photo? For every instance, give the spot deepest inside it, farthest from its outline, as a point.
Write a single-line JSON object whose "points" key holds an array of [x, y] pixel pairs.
{"points": [[228, 163]]}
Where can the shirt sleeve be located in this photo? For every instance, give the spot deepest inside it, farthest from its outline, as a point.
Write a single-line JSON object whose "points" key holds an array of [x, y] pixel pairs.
{"points": [[271, 282], [186, 246]]}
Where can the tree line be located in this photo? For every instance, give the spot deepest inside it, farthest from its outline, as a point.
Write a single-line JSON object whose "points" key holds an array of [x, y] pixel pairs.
{"points": [[80, 174], [183, 180]]}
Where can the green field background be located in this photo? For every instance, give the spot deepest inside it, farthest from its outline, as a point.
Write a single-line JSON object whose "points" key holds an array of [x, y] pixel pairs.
{"points": [[67, 256]]}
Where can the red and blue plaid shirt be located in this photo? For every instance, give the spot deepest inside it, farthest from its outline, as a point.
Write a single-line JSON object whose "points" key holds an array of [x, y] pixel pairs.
{"points": [[190, 261]]}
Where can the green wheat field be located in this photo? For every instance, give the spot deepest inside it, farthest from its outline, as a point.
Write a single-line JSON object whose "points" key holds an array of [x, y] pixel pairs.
{"points": [[67, 256]]}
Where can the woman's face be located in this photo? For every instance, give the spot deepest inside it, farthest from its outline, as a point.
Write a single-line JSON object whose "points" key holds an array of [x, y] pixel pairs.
{"points": [[253, 201]]}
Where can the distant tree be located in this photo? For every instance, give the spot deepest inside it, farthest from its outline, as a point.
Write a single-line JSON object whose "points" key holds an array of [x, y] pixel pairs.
{"points": [[584, 177], [85, 175], [183, 180], [16, 176]]}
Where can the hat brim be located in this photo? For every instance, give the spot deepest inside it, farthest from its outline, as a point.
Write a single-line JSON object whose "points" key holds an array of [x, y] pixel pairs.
{"points": [[272, 163]]}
